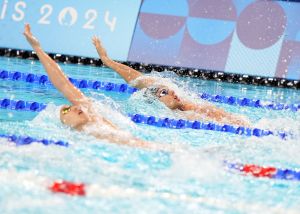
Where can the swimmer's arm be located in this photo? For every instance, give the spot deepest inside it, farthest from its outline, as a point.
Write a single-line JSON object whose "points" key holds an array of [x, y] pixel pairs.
{"points": [[60, 80], [63, 84], [55, 73], [128, 74], [216, 114]]}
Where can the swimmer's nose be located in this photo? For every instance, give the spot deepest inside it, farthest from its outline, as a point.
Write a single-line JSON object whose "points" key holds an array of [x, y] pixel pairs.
{"points": [[77, 108], [173, 94]]}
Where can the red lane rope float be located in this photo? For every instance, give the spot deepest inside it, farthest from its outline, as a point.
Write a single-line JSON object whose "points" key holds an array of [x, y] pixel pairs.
{"points": [[258, 171], [264, 171], [69, 188]]}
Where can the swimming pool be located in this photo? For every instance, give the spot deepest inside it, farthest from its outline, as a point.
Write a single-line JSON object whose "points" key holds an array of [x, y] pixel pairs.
{"points": [[120, 179]]}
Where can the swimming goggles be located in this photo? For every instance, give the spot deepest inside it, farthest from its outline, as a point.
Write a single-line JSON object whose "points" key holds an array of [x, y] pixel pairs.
{"points": [[66, 110], [163, 92]]}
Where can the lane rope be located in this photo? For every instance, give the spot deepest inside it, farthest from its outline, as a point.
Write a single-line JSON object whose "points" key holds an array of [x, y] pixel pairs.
{"points": [[209, 126], [21, 105], [264, 171], [116, 192], [125, 88], [26, 140], [78, 189], [44, 80], [256, 103]]}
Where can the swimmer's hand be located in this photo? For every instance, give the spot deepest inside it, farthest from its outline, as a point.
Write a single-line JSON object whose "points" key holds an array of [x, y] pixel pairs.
{"points": [[30, 38], [100, 49], [126, 72]]}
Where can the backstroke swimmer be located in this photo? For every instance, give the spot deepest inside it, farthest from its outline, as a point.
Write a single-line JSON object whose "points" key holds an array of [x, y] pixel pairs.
{"points": [[82, 115], [157, 89]]}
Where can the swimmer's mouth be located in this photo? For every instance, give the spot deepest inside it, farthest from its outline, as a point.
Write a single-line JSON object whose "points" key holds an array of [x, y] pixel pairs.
{"points": [[80, 112]]}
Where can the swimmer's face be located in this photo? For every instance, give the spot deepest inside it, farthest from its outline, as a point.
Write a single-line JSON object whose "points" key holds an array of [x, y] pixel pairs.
{"points": [[73, 116], [168, 97]]}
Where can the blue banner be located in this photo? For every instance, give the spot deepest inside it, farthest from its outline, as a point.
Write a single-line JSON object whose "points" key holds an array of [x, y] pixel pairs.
{"points": [[251, 37], [66, 27]]}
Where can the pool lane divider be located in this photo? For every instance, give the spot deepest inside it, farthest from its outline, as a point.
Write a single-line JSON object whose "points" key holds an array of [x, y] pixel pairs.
{"points": [[44, 80], [263, 171], [125, 88], [230, 100], [247, 169], [21, 105], [209, 126], [80, 188], [26, 140]]}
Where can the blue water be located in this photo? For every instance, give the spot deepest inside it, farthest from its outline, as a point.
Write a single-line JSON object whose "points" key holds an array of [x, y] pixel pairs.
{"points": [[131, 180]]}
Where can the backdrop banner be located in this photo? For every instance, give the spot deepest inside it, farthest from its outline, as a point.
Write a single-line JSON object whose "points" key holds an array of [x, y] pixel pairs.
{"points": [[66, 27], [238, 36]]}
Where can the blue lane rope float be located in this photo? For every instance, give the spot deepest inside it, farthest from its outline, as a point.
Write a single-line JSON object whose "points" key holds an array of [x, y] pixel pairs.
{"points": [[183, 124], [240, 101], [26, 140], [21, 105], [125, 88], [44, 80]]}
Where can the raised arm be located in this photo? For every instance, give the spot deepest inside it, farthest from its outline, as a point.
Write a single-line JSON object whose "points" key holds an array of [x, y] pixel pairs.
{"points": [[128, 74], [55, 73]]}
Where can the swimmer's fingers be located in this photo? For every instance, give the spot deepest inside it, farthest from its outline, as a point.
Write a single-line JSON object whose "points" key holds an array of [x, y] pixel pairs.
{"points": [[27, 29], [100, 49], [94, 38], [96, 41], [30, 38]]}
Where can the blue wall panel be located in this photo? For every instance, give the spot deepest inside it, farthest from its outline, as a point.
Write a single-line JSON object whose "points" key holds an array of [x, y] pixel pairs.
{"points": [[255, 37], [67, 26]]}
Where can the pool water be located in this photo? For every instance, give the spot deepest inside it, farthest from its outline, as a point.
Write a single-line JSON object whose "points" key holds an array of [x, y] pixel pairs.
{"points": [[122, 179]]}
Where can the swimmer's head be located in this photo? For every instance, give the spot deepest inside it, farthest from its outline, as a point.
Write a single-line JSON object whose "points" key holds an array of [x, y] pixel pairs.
{"points": [[150, 92], [165, 95], [73, 116]]}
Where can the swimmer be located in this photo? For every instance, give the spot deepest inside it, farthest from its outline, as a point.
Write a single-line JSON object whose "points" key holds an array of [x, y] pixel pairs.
{"points": [[156, 87], [82, 115]]}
